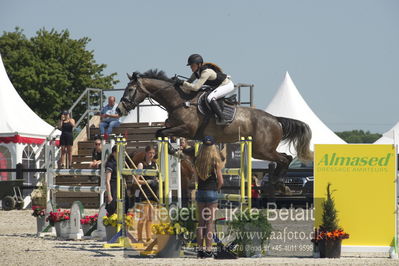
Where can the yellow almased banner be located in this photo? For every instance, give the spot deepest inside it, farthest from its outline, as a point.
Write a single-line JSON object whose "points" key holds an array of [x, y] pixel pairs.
{"points": [[363, 180]]}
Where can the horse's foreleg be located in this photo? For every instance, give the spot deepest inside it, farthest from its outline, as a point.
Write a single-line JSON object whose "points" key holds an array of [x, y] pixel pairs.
{"points": [[179, 131], [159, 133]]}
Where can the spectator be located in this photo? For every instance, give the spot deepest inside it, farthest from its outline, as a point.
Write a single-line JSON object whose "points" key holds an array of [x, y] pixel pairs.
{"points": [[111, 184], [146, 212], [96, 155], [66, 125], [266, 186], [208, 166], [109, 117], [184, 144], [255, 192]]}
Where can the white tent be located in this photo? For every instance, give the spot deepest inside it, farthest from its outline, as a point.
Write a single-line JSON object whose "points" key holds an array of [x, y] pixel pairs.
{"points": [[389, 137], [147, 113], [288, 102], [21, 130]]}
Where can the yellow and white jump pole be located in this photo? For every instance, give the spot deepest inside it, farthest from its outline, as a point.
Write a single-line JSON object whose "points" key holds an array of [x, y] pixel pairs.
{"points": [[123, 241], [165, 170]]}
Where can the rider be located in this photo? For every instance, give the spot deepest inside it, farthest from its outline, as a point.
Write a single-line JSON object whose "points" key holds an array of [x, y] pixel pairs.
{"points": [[211, 75]]}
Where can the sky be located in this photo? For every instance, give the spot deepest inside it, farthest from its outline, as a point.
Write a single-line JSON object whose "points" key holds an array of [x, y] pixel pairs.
{"points": [[342, 55]]}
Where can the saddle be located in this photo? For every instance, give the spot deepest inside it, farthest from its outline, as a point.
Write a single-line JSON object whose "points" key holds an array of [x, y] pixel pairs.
{"points": [[228, 106]]}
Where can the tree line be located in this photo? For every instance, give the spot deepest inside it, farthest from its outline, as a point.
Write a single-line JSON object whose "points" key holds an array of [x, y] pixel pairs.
{"points": [[358, 136], [50, 70]]}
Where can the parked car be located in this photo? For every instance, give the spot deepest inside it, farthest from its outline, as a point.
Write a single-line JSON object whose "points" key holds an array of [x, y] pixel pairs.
{"points": [[299, 179]]}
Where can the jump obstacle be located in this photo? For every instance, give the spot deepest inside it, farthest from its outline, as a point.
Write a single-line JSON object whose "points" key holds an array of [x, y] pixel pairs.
{"points": [[163, 192], [165, 196], [245, 173], [52, 172], [52, 188]]}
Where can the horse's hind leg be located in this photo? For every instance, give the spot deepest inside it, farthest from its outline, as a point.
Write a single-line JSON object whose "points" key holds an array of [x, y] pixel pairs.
{"points": [[283, 160], [281, 169]]}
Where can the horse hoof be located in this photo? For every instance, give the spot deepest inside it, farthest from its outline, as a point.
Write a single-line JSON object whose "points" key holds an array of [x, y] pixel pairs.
{"points": [[159, 134]]}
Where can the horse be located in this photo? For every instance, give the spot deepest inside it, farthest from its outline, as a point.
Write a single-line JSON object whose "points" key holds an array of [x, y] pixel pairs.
{"points": [[266, 130]]}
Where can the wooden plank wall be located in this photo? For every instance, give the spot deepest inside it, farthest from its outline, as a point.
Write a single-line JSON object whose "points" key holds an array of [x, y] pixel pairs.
{"points": [[138, 136]]}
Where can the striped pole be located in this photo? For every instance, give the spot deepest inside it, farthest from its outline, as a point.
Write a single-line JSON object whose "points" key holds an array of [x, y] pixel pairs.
{"points": [[87, 189], [81, 172], [146, 172], [229, 197], [119, 200], [161, 176], [248, 156], [165, 170], [196, 150], [242, 173], [231, 171]]}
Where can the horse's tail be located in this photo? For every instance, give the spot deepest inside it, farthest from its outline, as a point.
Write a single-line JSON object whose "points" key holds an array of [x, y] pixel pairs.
{"points": [[298, 134]]}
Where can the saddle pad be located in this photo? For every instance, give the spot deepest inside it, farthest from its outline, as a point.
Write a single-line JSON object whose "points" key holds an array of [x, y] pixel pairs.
{"points": [[229, 112]]}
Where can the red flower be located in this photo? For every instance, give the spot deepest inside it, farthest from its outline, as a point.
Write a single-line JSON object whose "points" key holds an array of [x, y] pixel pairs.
{"points": [[55, 217], [89, 219], [326, 235]]}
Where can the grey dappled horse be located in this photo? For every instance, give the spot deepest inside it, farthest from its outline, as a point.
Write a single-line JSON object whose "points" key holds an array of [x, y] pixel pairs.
{"points": [[186, 121]]}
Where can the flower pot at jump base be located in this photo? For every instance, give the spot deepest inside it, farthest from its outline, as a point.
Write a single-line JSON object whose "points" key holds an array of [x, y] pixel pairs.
{"points": [[254, 246], [110, 232], [169, 246], [86, 228], [330, 248], [62, 229], [41, 224]]}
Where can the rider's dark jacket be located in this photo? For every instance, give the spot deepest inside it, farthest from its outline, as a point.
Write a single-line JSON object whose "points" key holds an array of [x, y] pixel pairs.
{"points": [[205, 76]]}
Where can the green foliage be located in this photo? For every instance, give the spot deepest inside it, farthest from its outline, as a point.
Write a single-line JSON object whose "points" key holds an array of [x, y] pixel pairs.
{"points": [[185, 217], [330, 218], [51, 70], [246, 221], [358, 136]]}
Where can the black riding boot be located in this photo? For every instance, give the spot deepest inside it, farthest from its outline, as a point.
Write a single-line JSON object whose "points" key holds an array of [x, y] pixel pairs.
{"points": [[218, 111]]}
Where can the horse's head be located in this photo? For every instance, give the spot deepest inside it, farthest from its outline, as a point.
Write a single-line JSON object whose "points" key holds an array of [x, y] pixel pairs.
{"points": [[134, 94], [154, 84]]}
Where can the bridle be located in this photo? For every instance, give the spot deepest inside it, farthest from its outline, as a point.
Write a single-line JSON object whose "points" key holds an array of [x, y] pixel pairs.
{"points": [[129, 104]]}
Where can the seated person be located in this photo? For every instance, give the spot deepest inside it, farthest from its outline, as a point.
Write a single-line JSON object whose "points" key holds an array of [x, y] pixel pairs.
{"points": [[184, 150], [96, 155], [183, 143], [109, 117]]}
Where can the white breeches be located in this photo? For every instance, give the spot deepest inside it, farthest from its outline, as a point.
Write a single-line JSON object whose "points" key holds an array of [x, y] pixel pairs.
{"points": [[221, 91]]}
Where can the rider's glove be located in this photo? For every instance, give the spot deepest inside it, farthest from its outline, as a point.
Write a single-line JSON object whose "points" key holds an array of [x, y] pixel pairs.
{"points": [[179, 82]]}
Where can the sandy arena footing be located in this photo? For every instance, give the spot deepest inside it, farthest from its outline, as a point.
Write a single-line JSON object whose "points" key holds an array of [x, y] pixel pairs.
{"points": [[20, 246]]}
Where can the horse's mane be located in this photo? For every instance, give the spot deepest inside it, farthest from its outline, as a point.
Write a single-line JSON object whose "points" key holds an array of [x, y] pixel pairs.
{"points": [[156, 74], [161, 75]]}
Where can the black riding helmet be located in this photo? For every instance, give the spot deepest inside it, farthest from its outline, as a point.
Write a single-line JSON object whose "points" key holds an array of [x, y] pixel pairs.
{"points": [[194, 59]]}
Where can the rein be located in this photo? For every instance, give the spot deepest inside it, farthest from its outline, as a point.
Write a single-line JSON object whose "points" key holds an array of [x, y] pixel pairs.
{"points": [[141, 87], [153, 103], [186, 104], [128, 103]]}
